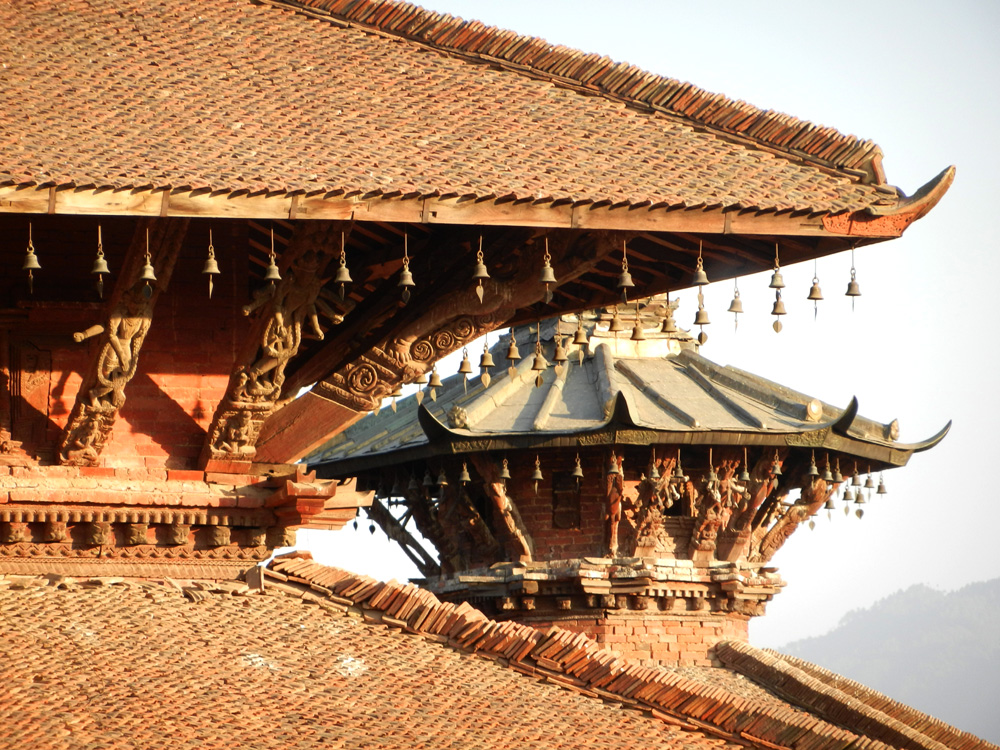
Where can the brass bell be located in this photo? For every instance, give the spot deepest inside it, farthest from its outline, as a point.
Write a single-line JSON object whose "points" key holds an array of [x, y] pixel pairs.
{"points": [[779, 305], [669, 326], [405, 277], [512, 355], [421, 379], [700, 277], [859, 499], [701, 317], [853, 288], [577, 469], [539, 364], [211, 266], [616, 324], [435, 381], [466, 366], [881, 487], [480, 272], [560, 356], [856, 478], [744, 475], [614, 465], [464, 477], [486, 359], [625, 281], [147, 275], [504, 471], [343, 274], [101, 265], [828, 505], [272, 273], [637, 333], [31, 260], [580, 337], [536, 475], [442, 480], [776, 281], [428, 479], [548, 275], [869, 483], [412, 485], [815, 293], [848, 495], [776, 466], [813, 470], [837, 476], [736, 306], [711, 477], [827, 474], [654, 471]]}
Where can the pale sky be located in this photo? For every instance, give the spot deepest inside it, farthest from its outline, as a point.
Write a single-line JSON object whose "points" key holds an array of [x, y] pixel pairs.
{"points": [[921, 80]]}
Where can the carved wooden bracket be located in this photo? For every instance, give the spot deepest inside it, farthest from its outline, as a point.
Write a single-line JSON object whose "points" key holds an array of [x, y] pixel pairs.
{"points": [[102, 393], [520, 545], [255, 386]]}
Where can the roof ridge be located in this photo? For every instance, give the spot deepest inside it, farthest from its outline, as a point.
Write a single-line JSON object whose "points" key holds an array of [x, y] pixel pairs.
{"points": [[812, 687], [597, 73], [562, 658]]}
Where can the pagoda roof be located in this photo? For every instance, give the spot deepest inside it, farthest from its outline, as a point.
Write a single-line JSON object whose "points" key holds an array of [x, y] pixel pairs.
{"points": [[638, 395], [338, 99], [318, 656]]}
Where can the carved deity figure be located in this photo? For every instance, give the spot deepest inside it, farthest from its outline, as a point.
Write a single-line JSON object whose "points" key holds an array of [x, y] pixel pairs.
{"points": [[615, 495]]}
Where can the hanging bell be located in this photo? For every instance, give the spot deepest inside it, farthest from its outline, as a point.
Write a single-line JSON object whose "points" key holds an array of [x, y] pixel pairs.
{"points": [[701, 317], [669, 325], [512, 354], [536, 476], [428, 479], [827, 474], [343, 275], [614, 469], [855, 478], [815, 293], [421, 379], [580, 337], [577, 469], [654, 471], [616, 324], [869, 483], [486, 359], [848, 495], [777, 282], [837, 476], [435, 381], [560, 356], [779, 305], [637, 333], [412, 485], [624, 283], [548, 274], [100, 266], [700, 277], [31, 260], [466, 366], [272, 271], [464, 477], [442, 480], [736, 306], [859, 499], [828, 505], [853, 288], [147, 275], [504, 471], [711, 477], [405, 277], [744, 475], [539, 364], [480, 271], [776, 466], [881, 487], [211, 267], [813, 470]]}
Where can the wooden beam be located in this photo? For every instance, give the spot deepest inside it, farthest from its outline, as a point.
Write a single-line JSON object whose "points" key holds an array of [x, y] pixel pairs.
{"points": [[466, 211]]}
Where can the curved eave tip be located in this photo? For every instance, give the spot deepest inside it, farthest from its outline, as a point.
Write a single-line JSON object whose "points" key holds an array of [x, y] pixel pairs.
{"points": [[433, 427], [926, 444], [843, 423], [921, 202]]}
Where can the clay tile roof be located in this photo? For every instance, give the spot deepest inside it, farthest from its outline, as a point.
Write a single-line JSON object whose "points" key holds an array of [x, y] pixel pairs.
{"points": [[326, 657], [378, 98]]}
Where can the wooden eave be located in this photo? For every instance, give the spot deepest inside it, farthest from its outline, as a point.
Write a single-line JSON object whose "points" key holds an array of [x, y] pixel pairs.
{"points": [[477, 211]]}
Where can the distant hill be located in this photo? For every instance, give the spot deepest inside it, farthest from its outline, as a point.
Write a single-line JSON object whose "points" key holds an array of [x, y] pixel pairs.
{"points": [[936, 651]]}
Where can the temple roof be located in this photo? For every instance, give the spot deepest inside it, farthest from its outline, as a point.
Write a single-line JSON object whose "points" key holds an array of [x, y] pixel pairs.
{"points": [[660, 390], [382, 99], [322, 656]]}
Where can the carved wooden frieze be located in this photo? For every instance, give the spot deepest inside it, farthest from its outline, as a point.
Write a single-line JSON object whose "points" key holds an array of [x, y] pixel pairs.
{"points": [[281, 311]]}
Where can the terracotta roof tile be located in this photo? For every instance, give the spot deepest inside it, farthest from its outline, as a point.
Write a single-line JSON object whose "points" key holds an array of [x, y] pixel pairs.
{"points": [[236, 96]]}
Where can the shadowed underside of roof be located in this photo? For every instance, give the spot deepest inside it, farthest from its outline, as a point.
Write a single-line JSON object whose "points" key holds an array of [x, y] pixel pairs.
{"points": [[328, 657], [385, 99]]}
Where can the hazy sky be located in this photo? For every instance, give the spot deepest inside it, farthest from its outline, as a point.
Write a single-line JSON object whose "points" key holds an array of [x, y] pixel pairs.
{"points": [[921, 80]]}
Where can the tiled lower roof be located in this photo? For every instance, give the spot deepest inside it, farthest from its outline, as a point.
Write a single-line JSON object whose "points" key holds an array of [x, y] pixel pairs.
{"points": [[323, 657], [235, 96]]}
